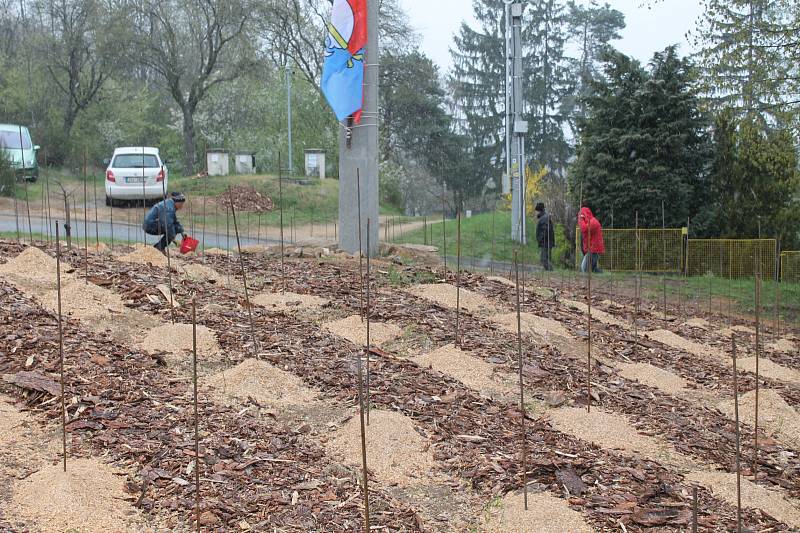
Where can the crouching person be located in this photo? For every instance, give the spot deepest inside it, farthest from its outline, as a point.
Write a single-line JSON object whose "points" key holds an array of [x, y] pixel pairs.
{"points": [[162, 219]]}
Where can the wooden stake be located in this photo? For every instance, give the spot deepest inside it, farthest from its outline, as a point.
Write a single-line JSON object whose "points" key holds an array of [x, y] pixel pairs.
{"points": [[521, 386], [637, 285], [196, 420], [361, 258], [590, 268], [458, 274], [61, 352], [85, 220], [111, 201], [664, 265], [96, 216], [491, 254], [28, 209], [444, 228], [205, 202], [244, 274], [368, 315], [738, 438]]}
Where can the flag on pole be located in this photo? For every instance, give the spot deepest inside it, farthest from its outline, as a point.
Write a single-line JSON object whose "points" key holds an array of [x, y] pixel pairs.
{"points": [[343, 71]]}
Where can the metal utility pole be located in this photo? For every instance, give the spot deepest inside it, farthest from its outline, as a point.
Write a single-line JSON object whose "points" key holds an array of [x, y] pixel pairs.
{"points": [[358, 149], [516, 127], [289, 114]]}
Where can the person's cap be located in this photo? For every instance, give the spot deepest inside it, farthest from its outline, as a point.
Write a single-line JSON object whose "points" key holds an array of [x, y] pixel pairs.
{"points": [[178, 197], [539, 207]]}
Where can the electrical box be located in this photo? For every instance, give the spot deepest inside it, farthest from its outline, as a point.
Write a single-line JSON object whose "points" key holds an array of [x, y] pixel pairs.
{"points": [[521, 126]]}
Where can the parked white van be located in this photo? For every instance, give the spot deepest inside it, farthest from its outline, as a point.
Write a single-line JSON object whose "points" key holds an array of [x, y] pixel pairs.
{"points": [[135, 174]]}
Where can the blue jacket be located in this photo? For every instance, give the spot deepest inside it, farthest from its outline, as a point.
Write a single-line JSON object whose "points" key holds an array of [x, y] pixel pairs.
{"points": [[162, 219]]}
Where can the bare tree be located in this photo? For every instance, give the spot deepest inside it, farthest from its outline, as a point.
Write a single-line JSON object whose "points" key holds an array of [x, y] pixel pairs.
{"points": [[77, 58], [193, 46]]}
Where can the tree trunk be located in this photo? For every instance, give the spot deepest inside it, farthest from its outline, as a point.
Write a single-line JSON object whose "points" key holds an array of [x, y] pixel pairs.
{"points": [[188, 141]]}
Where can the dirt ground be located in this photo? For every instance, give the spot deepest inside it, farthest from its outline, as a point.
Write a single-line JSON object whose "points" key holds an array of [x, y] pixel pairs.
{"points": [[280, 389]]}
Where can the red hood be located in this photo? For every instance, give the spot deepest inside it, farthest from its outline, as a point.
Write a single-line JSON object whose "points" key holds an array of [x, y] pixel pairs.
{"points": [[585, 211]]}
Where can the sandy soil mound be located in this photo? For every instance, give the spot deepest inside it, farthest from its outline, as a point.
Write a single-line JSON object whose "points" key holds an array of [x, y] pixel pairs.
{"points": [[396, 453], [354, 329], [546, 514], [34, 264], [533, 324], [723, 486], [203, 273], [676, 341], [147, 255], [444, 294], [216, 251], [471, 371], [701, 323], [264, 383], [176, 339], [612, 431], [597, 314], [774, 414], [288, 301], [783, 345], [768, 369], [653, 376], [500, 279], [89, 497]]}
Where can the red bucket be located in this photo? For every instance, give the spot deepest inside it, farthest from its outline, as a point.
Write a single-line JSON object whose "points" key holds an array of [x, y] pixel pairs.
{"points": [[189, 245]]}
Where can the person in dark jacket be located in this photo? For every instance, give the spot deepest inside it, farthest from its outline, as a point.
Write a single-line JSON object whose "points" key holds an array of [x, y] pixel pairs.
{"points": [[162, 219], [591, 240], [545, 236]]}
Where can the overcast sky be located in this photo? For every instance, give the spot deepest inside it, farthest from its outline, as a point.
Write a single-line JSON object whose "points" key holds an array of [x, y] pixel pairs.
{"points": [[646, 31]]}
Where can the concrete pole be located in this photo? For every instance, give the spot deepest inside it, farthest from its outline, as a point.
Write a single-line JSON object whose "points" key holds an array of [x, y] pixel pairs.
{"points": [[289, 114], [518, 128], [362, 154]]}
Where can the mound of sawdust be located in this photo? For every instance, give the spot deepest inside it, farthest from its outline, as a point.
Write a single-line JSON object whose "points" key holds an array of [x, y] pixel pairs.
{"points": [[546, 514], [501, 279], [354, 329], [737, 329], [34, 264], [264, 383], [652, 376], [597, 314], [396, 452], [255, 249], [288, 301], [11, 420], [202, 273], [176, 339], [612, 431], [783, 345], [770, 370], [471, 371], [676, 341], [444, 294], [701, 323], [774, 414], [88, 497], [723, 486], [216, 251], [146, 255], [534, 324]]}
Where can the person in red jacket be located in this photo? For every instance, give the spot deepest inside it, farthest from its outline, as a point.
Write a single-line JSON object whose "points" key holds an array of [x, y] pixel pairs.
{"points": [[591, 240]]}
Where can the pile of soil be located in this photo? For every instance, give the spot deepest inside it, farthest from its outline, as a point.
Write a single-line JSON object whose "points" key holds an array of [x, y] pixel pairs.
{"points": [[246, 198], [545, 514], [288, 301], [532, 324], [146, 255], [34, 264], [774, 414], [176, 339], [355, 330], [264, 383], [652, 376], [397, 453], [88, 497], [203, 273], [471, 371]]}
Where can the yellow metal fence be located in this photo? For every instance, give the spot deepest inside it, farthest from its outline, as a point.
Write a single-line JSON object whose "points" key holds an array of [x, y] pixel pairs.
{"points": [[655, 250], [790, 267], [732, 258]]}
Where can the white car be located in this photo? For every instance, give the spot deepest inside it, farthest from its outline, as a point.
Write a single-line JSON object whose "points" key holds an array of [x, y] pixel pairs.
{"points": [[135, 174]]}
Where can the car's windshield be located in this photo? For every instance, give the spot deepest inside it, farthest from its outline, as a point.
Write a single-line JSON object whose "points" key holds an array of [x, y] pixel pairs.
{"points": [[10, 139], [135, 161]]}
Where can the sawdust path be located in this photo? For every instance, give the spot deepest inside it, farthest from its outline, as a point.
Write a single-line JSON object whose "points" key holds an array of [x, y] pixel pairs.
{"points": [[444, 294], [546, 514]]}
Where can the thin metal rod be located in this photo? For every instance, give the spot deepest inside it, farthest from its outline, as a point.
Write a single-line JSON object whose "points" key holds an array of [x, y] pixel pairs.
{"points": [[444, 228], [664, 243], [28, 209], [244, 275], [637, 285], [166, 250], [85, 220], [96, 215], [47, 188], [111, 201], [758, 357], [521, 386], [196, 420], [368, 316], [360, 254], [694, 509], [590, 268], [365, 478], [458, 275], [738, 438], [61, 352], [280, 209]]}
